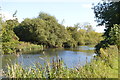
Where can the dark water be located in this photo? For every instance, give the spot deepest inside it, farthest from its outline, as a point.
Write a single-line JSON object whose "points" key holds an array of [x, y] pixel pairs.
{"points": [[72, 57]]}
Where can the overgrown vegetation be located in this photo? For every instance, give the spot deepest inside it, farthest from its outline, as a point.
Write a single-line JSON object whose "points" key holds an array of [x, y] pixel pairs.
{"points": [[18, 46], [108, 14], [44, 31], [104, 67], [10, 42]]}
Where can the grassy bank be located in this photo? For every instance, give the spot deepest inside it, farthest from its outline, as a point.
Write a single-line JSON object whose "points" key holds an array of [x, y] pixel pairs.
{"points": [[17, 46], [101, 67]]}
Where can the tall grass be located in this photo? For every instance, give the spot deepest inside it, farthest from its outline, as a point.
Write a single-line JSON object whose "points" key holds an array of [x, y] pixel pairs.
{"points": [[17, 46], [101, 67]]}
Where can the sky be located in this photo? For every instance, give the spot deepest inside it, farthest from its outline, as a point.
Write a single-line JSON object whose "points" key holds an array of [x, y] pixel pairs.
{"points": [[71, 11]]}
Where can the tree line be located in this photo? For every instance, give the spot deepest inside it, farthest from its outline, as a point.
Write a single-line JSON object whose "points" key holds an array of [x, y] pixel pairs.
{"points": [[45, 30]]}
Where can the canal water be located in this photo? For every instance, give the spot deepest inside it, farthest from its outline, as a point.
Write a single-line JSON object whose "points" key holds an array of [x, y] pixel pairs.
{"points": [[72, 57]]}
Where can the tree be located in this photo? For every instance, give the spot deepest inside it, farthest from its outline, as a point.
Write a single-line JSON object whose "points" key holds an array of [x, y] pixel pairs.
{"points": [[44, 30], [32, 30], [8, 34], [73, 31], [114, 36], [47, 17], [55, 38], [7, 31], [108, 13]]}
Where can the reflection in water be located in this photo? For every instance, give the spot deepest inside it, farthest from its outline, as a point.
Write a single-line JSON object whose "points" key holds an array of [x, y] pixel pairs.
{"points": [[72, 57]]}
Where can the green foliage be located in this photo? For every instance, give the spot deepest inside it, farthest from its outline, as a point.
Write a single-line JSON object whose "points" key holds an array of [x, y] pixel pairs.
{"points": [[7, 31], [74, 35], [24, 46], [114, 35], [113, 39], [9, 47], [31, 30], [99, 68], [47, 17], [43, 30], [16, 46], [10, 43], [108, 13], [46, 30], [84, 36]]}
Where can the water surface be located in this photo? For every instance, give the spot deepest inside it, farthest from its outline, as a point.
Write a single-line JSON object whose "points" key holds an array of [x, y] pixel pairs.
{"points": [[72, 57]]}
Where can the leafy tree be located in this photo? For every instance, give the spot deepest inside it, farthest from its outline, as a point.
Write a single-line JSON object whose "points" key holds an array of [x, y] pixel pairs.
{"points": [[7, 31], [31, 30], [44, 30], [55, 38], [47, 17], [114, 36], [108, 13], [9, 38], [84, 36], [73, 31]]}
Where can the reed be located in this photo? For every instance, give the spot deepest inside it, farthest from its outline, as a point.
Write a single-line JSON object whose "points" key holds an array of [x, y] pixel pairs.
{"points": [[18, 46], [98, 68]]}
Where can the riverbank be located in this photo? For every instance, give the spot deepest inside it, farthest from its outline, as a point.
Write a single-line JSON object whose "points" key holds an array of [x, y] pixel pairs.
{"points": [[39, 33], [19, 46], [14, 47], [101, 67]]}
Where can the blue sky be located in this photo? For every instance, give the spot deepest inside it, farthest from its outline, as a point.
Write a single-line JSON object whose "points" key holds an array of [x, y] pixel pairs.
{"points": [[72, 11]]}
